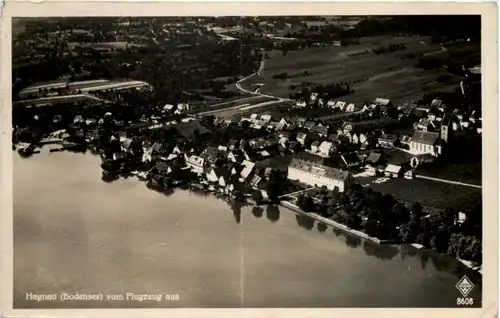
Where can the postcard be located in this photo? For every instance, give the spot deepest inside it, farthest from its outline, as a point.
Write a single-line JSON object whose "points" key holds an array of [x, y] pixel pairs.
{"points": [[249, 159]]}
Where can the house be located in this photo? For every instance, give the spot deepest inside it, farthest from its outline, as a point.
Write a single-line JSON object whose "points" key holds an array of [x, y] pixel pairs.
{"points": [[301, 137], [314, 146], [425, 142], [265, 118], [196, 163], [256, 181], [331, 104], [410, 174], [340, 105], [78, 119], [313, 97], [320, 130], [350, 108], [248, 168], [318, 175], [294, 146], [405, 140], [210, 154], [218, 175], [309, 125], [373, 159], [425, 124], [300, 103], [393, 171], [326, 148], [235, 156], [168, 107], [382, 102], [350, 160], [387, 140]]}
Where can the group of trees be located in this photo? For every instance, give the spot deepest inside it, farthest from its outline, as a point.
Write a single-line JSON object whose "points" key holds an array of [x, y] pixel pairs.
{"points": [[390, 48], [285, 75], [327, 92], [384, 217]]}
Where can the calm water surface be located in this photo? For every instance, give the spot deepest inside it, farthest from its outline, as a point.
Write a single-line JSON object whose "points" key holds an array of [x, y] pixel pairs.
{"points": [[76, 233]]}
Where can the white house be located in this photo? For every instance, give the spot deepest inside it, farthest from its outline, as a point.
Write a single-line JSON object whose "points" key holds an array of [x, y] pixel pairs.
{"points": [[350, 108], [301, 103], [318, 175], [248, 167], [301, 137], [196, 164], [422, 142], [325, 149], [265, 118]]}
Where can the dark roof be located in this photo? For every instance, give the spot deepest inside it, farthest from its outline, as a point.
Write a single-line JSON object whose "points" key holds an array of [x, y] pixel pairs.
{"points": [[398, 157], [187, 129], [320, 129], [373, 157], [351, 158], [222, 172], [315, 143], [425, 137], [158, 147], [388, 137]]}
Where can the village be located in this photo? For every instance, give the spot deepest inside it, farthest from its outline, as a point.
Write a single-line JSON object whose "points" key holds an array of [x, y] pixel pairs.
{"points": [[324, 167]]}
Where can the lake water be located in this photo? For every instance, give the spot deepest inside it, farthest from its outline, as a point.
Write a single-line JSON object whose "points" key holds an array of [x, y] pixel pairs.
{"points": [[76, 233]]}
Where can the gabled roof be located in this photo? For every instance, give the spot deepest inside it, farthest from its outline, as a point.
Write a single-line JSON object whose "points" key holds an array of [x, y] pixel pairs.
{"points": [[315, 143], [222, 173], [301, 135], [393, 168], [350, 158], [388, 137], [382, 101], [373, 157], [248, 168], [425, 137]]}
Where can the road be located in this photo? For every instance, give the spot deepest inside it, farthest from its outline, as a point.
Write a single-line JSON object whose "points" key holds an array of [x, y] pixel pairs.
{"points": [[256, 92], [449, 181]]}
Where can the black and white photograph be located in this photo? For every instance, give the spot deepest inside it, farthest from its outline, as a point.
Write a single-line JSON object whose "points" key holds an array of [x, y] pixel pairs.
{"points": [[284, 161]]}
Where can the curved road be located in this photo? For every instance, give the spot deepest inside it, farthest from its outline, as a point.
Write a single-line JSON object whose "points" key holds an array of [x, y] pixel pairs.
{"points": [[256, 92]]}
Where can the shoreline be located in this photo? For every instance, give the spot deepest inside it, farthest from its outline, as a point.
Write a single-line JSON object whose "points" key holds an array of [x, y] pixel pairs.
{"points": [[337, 225], [469, 264], [248, 200]]}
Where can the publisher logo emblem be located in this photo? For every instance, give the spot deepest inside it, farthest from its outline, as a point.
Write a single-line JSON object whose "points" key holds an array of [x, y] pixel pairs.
{"points": [[465, 286]]}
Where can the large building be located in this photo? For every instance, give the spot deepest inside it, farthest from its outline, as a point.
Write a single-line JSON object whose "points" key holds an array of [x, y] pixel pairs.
{"points": [[318, 175], [424, 142]]}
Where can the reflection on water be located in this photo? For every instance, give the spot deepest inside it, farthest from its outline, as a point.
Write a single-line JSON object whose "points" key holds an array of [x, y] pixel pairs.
{"points": [[123, 237], [321, 227], [257, 211], [273, 213]]}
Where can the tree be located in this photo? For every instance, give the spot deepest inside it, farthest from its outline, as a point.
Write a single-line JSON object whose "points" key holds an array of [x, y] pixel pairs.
{"points": [[417, 210], [400, 213], [408, 232], [308, 205], [372, 228], [441, 240]]}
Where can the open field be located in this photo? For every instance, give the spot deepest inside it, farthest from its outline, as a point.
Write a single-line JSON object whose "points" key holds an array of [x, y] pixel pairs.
{"points": [[369, 75], [52, 100], [430, 193], [102, 45]]}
